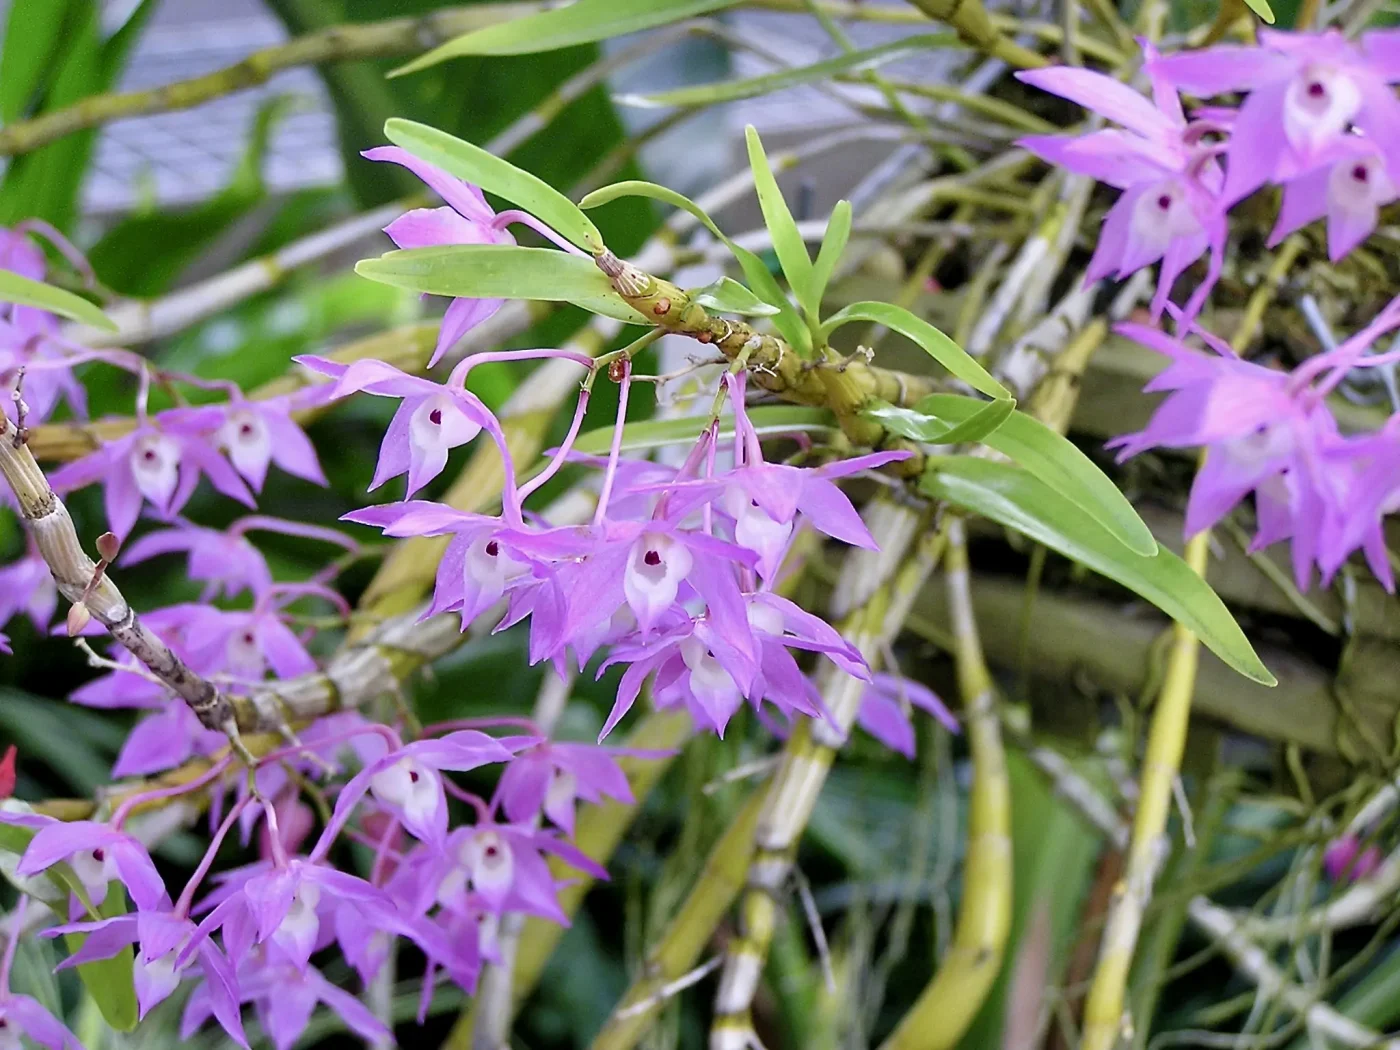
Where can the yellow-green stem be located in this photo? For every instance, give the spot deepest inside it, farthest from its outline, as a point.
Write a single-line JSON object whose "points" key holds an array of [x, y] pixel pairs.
{"points": [[945, 1010], [1104, 1017]]}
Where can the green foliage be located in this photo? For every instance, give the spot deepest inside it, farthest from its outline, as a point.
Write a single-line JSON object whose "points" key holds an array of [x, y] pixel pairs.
{"points": [[46, 183], [584, 22], [787, 241], [760, 278], [730, 297], [937, 345], [16, 288], [499, 271], [1014, 497], [491, 173], [1053, 459]]}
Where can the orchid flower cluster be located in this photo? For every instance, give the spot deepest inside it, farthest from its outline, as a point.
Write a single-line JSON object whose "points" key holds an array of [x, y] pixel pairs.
{"points": [[1319, 119], [673, 579]]}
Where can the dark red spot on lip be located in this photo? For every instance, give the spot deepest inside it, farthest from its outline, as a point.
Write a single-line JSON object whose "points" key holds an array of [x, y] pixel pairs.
{"points": [[492, 852], [493, 548], [435, 416], [246, 430], [99, 855], [413, 776], [1361, 173], [1317, 89], [652, 558], [149, 455], [248, 638], [1164, 202]]}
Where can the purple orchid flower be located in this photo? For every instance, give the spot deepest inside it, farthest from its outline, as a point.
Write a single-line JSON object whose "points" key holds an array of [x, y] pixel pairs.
{"points": [[409, 782], [1305, 91], [98, 855], [27, 586], [1170, 180], [255, 434], [30, 337], [502, 868], [1345, 861], [551, 777], [169, 737], [160, 462], [432, 419], [284, 997], [158, 970], [23, 1016], [481, 562], [1349, 189], [245, 644], [227, 562], [884, 711], [467, 219]]}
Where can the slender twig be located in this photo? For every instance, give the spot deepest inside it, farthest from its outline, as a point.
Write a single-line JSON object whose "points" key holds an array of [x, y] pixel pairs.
{"points": [[344, 43], [90, 588]]}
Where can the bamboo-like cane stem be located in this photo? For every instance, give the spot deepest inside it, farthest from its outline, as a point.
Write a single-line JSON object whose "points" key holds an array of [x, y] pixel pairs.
{"points": [[80, 580], [1104, 1019], [805, 761], [946, 1008]]}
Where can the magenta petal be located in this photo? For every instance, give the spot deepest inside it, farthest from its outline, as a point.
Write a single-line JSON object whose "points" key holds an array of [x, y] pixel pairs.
{"points": [[461, 317], [429, 227], [284, 651], [462, 196], [121, 499], [353, 1012], [37, 1023], [1217, 70], [1304, 201], [828, 509], [1256, 144], [138, 874], [1103, 95], [56, 842], [884, 719], [221, 989], [292, 450]]}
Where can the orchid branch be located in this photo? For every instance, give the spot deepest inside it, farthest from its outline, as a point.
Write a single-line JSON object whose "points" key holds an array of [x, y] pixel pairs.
{"points": [[343, 43]]}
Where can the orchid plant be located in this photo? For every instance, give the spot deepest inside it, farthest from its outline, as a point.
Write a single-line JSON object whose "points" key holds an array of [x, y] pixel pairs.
{"points": [[380, 837]]}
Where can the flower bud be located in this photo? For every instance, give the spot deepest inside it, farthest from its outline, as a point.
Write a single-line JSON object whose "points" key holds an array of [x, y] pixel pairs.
{"points": [[78, 617], [108, 545]]}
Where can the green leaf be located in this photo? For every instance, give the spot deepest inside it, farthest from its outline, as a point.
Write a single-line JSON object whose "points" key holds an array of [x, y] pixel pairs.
{"points": [[787, 241], [838, 232], [497, 176], [500, 271], [1056, 461], [788, 324], [731, 297], [579, 23], [850, 62], [1011, 496], [980, 422], [1262, 9], [768, 420], [16, 288], [30, 49], [108, 981], [938, 346]]}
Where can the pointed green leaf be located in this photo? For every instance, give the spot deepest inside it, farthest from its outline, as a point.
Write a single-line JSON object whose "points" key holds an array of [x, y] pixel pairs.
{"points": [[937, 345], [1011, 496], [1262, 9], [980, 422], [579, 23], [730, 297], [787, 240], [768, 420], [15, 288], [31, 46], [497, 176], [788, 324], [500, 271], [752, 87], [1056, 461], [838, 232]]}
